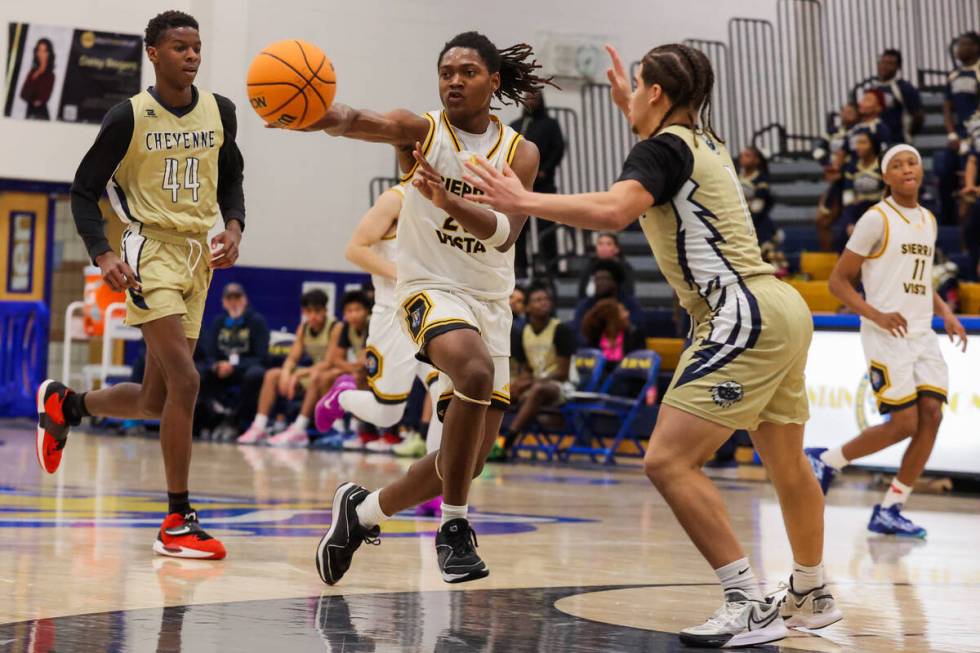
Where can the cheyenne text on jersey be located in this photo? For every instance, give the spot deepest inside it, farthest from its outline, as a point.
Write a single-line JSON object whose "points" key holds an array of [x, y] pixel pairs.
{"points": [[180, 140]]}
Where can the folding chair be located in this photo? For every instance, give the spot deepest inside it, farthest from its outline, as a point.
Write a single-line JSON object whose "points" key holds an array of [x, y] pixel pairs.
{"points": [[620, 401], [587, 367]]}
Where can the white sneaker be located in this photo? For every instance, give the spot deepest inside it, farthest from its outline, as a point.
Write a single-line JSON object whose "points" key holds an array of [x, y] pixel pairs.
{"points": [[293, 436], [412, 446], [740, 621], [253, 435], [814, 609]]}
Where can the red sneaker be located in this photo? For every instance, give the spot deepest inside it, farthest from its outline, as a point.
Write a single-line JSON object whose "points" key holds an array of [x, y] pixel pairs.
{"points": [[181, 536], [52, 427]]}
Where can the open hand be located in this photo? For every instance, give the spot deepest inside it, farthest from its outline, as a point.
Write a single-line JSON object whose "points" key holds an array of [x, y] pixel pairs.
{"points": [[502, 189], [893, 323], [621, 89], [954, 329], [428, 181]]}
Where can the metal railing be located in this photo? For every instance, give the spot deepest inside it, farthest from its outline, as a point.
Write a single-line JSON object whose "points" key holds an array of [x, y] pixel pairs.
{"points": [[722, 110], [801, 55], [606, 137], [757, 80]]}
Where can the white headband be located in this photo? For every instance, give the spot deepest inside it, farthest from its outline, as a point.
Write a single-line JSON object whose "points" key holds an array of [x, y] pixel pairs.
{"points": [[898, 149]]}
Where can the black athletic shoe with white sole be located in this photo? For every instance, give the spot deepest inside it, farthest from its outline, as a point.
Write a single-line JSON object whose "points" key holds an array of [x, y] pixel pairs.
{"points": [[345, 535], [456, 548]]}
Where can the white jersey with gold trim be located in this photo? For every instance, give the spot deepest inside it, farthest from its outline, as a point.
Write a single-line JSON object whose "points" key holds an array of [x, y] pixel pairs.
{"points": [[387, 248], [434, 251], [897, 271]]}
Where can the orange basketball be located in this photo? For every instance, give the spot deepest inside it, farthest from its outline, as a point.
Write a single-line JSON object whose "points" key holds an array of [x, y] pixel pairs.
{"points": [[291, 83]]}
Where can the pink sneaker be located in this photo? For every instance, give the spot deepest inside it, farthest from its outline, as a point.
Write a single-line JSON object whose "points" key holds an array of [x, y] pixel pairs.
{"points": [[253, 435], [328, 409], [431, 508], [291, 437]]}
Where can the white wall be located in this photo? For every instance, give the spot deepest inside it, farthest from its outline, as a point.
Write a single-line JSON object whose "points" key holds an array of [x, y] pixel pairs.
{"points": [[306, 191]]}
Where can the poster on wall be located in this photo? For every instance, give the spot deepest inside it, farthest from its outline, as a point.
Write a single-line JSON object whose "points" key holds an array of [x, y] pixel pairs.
{"points": [[842, 403], [69, 74]]}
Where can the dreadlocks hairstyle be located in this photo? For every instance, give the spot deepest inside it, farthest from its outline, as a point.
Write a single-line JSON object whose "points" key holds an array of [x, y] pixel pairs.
{"points": [[160, 23], [686, 76], [517, 77]]}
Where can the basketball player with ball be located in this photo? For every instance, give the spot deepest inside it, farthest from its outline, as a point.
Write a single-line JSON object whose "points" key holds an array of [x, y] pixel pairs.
{"points": [[171, 166], [455, 275]]}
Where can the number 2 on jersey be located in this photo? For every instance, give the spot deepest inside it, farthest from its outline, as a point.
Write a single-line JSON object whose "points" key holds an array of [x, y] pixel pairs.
{"points": [[171, 176]]}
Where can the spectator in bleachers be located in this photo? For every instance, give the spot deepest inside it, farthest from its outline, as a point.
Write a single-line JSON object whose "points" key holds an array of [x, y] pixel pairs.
{"points": [[869, 108], [608, 281], [903, 112], [543, 350], [606, 249], [969, 195], [544, 131], [863, 186], [233, 349], [518, 304], [289, 381], [753, 173], [959, 107], [829, 207], [607, 326]]}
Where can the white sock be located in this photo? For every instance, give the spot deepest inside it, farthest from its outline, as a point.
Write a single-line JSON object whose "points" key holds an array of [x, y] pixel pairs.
{"points": [[453, 512], [835, 458], [369, 511], [261, 421], [898, 493], [736, 575], [364, 405], [806, 578], [301, 423]]}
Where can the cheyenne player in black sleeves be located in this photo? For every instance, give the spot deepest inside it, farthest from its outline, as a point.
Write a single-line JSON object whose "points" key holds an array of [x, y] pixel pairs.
{"points": [[169, 161]]}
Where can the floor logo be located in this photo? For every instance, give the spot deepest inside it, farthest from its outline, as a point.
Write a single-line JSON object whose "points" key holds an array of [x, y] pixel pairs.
{"points": [[28, 508]]}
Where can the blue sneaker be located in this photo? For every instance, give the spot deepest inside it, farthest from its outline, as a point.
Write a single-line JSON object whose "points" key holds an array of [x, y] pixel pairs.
{"points": [[825, 473], [890, 521]]}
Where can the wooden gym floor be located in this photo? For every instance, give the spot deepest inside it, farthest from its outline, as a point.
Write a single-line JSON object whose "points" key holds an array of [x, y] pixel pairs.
{"points": [[581, 560]]}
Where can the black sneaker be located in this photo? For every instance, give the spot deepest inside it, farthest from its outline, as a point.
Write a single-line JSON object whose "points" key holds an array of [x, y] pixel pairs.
{"points": [[337, 546], [456, 547]]}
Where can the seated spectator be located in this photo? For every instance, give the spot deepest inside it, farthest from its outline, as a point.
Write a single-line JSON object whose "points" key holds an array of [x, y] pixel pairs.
{"points": [[608, 280], [518, 307], [607, 327], [606, 249], [753, 173], [961, 97], [863, 187], [969, 206], [233, 349], [829, 207], [902, 112], [543, 349], [308, 350], [869, 108]]}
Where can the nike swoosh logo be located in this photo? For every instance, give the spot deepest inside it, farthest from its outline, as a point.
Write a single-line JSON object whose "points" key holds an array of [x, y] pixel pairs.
{"points": [[743, 571], [177, 532], [764, 622]]}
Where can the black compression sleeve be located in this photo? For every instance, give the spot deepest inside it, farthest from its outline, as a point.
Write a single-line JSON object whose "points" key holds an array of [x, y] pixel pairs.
{"points": [[231, 166], [94, 172]]}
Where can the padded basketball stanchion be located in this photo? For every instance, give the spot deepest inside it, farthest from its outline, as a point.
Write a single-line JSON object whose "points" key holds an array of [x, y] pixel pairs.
{"points": [[23, 356]]}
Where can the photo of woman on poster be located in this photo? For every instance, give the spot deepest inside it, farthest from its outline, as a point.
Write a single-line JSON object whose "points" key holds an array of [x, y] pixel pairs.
{"points": [[36, 90]]}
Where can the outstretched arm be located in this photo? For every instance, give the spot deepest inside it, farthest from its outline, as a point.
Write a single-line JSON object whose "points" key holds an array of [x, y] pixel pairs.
{"points": [[610, 210], [372, 228], [401, 127]]}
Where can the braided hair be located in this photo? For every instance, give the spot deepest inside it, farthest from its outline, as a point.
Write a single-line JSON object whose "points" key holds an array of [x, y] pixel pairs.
{"points": [[517, 77], [687, 78]]}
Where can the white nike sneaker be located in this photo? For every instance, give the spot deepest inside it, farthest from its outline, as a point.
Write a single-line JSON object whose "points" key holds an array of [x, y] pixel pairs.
{"points": [[813, 610], [740, 621]]}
